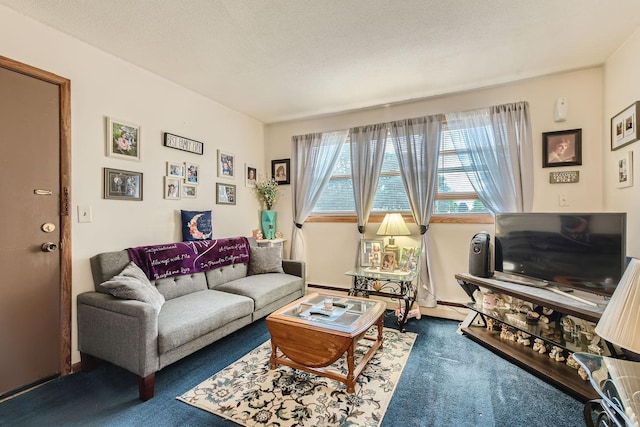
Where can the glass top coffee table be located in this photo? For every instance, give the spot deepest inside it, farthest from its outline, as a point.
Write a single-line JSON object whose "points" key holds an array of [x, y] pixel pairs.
{"points": [[310, 336]]}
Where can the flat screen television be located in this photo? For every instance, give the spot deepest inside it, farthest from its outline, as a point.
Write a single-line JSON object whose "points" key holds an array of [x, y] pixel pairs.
{"points": [[584, 251]]}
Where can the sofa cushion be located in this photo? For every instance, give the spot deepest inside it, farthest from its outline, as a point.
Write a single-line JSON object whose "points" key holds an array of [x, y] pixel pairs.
{"points": [[264, 289], [132, 283], [191, 316], [196, 225], [265, 260], [176, 286], [218, 276]]}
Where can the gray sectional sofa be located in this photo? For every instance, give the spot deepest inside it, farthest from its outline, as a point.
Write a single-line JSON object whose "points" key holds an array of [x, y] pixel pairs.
{"points": [[198, 310]]}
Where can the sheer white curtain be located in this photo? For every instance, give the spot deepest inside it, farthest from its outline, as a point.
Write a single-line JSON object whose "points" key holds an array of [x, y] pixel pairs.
{"points": [[495, 147], [417, 145], [314, 157], [367, 153]]}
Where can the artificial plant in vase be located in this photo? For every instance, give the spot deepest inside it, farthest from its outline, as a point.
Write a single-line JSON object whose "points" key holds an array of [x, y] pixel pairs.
{"points": [[268, 193]]}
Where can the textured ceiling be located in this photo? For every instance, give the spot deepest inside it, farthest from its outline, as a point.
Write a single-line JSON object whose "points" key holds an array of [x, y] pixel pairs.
{"points": [[278, 60]]}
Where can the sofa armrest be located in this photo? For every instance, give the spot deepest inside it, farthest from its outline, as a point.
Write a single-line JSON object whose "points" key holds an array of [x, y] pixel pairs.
{"points": [[295, 268], [123, 332]]}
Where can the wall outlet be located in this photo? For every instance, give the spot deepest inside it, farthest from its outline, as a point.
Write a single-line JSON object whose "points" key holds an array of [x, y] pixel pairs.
{"points": [[563, 200], [84, 214]]}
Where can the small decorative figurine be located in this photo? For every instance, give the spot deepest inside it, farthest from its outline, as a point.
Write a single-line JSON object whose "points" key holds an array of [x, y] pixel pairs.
{"points": [[539, 346]]}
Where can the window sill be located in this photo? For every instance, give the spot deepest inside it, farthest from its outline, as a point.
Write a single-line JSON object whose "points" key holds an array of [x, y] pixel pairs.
{"points": [[436, 219]]}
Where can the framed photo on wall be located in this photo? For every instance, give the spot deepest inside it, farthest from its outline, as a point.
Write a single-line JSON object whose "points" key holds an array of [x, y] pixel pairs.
{"points": [[226, 165], [624, 126], [280, 170], [250, 175], [123, 139], [225, 194], [122, 185], [175, 170], [625, 170], [562, 148], [172, 188], [189, 191], [191, 170]]}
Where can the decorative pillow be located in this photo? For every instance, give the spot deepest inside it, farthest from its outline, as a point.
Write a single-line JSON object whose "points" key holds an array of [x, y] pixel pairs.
{"points": [[196, 225], [132, 283], [265, 260]]}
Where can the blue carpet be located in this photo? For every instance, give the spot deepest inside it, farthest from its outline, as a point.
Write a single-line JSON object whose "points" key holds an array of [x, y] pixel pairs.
{"points": [[449, 380]]}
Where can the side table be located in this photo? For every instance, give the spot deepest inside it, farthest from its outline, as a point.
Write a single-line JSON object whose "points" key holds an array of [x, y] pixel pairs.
{"points": [[397, 284], [617, 381]]}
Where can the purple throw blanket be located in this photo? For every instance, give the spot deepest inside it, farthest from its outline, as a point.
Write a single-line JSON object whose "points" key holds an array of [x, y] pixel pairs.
{"points": [[172, 259]]}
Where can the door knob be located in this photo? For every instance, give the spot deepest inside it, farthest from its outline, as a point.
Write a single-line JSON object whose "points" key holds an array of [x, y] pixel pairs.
{"points": [[49, 247]]}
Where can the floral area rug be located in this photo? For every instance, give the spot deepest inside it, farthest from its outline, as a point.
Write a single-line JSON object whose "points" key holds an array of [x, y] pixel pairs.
{"points": [[249, 393]]}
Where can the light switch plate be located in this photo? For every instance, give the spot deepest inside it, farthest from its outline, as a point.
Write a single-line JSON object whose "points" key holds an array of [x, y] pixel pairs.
{"points": [[84, 213]]}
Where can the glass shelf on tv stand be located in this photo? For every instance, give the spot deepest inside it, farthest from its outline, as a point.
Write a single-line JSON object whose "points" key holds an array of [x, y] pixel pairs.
{"points": [[551, 332]]}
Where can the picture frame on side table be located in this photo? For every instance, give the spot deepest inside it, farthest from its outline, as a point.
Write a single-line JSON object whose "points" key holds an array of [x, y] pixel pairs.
{"points": [[389, 261], [122, 185], [172, 188], [226, 165], [624, 126], [562, 148], [281, 171], [123, 139], [409, 258], [625, 170], [371, 253], [225, 194]]}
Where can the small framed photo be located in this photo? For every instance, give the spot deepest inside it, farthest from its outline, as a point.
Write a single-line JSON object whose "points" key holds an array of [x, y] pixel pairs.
{"points": [[226, 165], [191, 173], [225, 194], [280, 170], [122, 185], [250, 175], [371, 253], [123, 139], [625, 170], [175, 170], [624, 126], [172, 188], [389, 261], [562, 148], [189, 191], [409, 258]]}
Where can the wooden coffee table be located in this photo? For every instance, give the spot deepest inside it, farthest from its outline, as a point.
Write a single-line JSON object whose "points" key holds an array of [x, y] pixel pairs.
{"points": [[306, 336]]}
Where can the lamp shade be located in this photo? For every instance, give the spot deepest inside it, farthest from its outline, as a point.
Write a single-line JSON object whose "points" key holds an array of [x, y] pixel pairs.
{"points": [[620, 321], [393, 225]]}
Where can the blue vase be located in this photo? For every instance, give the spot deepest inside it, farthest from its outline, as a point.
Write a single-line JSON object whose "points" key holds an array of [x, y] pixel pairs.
{"points": [[268, 224]]}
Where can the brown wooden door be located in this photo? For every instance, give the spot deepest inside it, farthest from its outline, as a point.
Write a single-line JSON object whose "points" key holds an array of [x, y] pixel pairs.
{"points": [[33, 325]]}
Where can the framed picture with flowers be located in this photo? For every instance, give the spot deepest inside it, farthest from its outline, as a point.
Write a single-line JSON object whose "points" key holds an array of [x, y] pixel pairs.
{"points": [[123, 139]]}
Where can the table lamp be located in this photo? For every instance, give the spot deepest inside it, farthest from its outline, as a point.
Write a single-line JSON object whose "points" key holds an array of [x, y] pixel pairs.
{"points": [[620, 321], [393, 225]]}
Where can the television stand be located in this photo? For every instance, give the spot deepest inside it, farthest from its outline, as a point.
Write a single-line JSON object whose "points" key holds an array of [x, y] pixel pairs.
{"points": [[552, 334]]}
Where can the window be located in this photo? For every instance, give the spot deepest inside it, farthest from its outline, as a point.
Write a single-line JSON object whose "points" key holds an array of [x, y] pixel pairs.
{"points": [[454, 195]]}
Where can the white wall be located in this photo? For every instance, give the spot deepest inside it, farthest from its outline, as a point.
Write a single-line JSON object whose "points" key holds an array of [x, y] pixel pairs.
{"points": [[331, 246], [103, 85], [621, 89]]}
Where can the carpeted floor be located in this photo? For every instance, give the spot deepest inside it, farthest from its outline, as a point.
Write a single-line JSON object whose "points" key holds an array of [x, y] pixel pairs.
{"points": [[448, 381]]}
